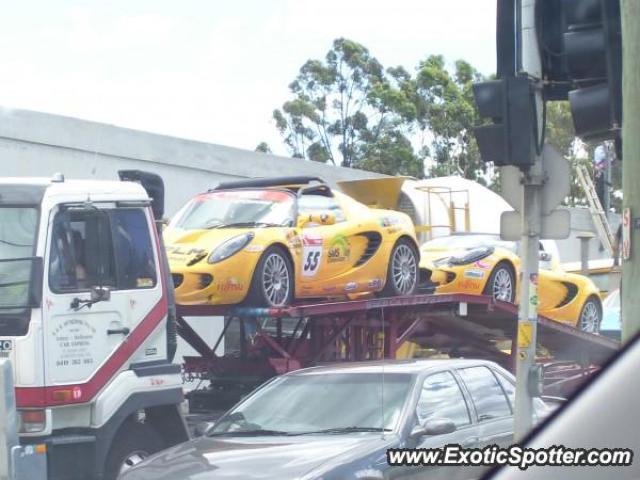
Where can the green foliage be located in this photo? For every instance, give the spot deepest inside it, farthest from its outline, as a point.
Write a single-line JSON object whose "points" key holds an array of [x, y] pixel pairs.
{"points": [[263, 147], [346, 111]]}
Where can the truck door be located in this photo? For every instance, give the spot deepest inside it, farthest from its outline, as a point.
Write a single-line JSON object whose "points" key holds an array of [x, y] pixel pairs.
{"points": [[96, 249]]}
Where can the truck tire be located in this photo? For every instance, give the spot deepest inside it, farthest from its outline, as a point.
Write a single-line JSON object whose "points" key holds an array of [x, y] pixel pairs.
{"points": [[134, 442]]}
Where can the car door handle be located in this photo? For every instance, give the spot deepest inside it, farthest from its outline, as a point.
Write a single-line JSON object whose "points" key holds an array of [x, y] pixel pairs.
{"points": [[118, 331], [469, 441]]}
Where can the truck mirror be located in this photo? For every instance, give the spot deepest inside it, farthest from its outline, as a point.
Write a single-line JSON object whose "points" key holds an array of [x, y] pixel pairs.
{"points": [[153, 185], [100, 294]]}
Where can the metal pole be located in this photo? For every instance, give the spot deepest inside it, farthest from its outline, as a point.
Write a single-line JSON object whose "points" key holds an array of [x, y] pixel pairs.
{"points": [[528, 307], [531, 226], [630, 11]]}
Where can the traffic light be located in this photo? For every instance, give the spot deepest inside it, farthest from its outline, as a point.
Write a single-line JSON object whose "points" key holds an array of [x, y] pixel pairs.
{"points": [[582, 62], [509, 103]]}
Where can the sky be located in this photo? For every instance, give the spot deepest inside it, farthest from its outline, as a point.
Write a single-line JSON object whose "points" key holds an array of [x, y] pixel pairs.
{"points": [[212, 70]]}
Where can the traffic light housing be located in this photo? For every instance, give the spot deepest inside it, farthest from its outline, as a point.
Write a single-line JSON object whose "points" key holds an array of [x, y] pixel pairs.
{"points": [[510, 138], [580, 43]]}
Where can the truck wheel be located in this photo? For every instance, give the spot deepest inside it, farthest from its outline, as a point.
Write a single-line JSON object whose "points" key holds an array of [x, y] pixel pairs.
{"points": [[272, 284], [590, 316], [134, 443], [501, 284], [402, 272]]}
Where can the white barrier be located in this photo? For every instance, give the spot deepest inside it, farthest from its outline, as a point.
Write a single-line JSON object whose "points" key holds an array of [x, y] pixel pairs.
{"points": [[8, 420]]}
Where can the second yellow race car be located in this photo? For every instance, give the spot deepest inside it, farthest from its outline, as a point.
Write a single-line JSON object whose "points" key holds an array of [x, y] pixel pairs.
{"points": [[267, 242], [483, 264]]}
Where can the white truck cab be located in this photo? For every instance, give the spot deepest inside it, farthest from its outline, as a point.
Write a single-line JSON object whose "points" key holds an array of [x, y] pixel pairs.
{"points": [[88, 322]]}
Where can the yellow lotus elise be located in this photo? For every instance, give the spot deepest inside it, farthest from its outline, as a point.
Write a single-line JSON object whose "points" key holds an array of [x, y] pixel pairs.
{"points": [[267, 242], [482, 264]]}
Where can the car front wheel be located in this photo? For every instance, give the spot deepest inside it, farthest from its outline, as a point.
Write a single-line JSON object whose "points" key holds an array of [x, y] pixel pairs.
{"points": [[501, 285], [590, 316], [272, 284]]}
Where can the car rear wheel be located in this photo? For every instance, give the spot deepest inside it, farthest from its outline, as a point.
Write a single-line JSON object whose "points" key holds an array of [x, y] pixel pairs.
{"points": [[402, 272], [590, 316], [272, 284], [501, 285]]}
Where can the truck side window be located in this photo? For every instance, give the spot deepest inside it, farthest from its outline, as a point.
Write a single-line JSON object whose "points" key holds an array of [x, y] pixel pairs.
{"points": [[101, 247], [135, 264], [81, 251]]}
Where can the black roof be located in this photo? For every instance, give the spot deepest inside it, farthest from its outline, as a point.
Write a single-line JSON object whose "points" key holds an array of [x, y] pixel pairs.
{"points": [[268, 182]]}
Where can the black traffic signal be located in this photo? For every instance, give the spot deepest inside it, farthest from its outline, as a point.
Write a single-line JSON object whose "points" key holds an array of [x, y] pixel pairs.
{"points": [[580, 43], [509, 102]]}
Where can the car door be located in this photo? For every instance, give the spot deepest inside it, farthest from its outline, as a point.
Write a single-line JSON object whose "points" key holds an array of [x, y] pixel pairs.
{"points": [[329, 251], [441, 397], [93, 247], [492, 408]]}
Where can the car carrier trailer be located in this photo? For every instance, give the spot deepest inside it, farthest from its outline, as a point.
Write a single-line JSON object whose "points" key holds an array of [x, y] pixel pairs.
{"points": [[275, 341]]}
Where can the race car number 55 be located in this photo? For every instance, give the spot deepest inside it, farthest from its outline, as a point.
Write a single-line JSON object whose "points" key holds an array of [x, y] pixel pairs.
{"points": [[311, 255]]}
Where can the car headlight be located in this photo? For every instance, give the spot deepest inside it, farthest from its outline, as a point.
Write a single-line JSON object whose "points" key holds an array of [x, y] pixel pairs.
{"points": [[471, 256], [230, 247]]}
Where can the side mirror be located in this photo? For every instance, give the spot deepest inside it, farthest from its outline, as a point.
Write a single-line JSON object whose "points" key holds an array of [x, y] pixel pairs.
{"points": [[434, 426], [153, 185], [203, 428], [100, 294], [321, 218]]}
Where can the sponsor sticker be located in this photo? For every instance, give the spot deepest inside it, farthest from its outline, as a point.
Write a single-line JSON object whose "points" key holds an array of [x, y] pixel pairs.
{"points": [[254, 248], [388, 221], [483, 265], [350, 287], [374, 283], [230, 285], [339, 249], [474, 274]]}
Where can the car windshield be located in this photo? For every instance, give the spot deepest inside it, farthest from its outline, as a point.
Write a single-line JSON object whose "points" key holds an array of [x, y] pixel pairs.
{"points": [[237, 208], [465, 242], [318, 402], [17, 236]]}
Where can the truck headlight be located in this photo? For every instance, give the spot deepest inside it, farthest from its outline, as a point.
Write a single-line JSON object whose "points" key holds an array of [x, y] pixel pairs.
{"points": [[471, 256], [230, 247]]}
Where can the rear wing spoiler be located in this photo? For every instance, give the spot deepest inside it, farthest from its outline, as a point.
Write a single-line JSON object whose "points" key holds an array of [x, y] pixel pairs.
{"points": [[375, 192]]}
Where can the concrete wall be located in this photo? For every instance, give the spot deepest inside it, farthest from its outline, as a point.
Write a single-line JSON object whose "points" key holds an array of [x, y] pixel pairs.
{"points": [[40, 144]]}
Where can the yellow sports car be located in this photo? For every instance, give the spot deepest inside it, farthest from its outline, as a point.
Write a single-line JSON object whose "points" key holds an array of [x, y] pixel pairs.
{"points": [[266, 242], [483, 264]]}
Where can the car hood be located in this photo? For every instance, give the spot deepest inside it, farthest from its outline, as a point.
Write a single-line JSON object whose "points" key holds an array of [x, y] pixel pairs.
{"points": [[252, 458]]}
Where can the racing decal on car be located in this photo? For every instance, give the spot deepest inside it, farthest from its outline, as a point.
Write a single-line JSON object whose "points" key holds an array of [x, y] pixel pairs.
{"points": [[474, 274], [469, 284], [350, 287], [339, 249], [374, 283], [483, 265], [293, 240], [311, 255], [388, 221], [254, 248], [231, 284]]}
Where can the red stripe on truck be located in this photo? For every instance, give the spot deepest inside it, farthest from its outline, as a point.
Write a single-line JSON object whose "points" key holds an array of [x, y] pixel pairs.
{"points": [[84, 392]]}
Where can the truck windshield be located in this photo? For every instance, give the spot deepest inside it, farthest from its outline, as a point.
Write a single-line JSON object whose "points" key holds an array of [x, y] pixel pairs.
{"points": [[17, 241]]}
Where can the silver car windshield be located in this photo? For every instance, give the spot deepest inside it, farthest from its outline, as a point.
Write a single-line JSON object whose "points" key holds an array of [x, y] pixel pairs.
{"points": [[298, 404]]}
